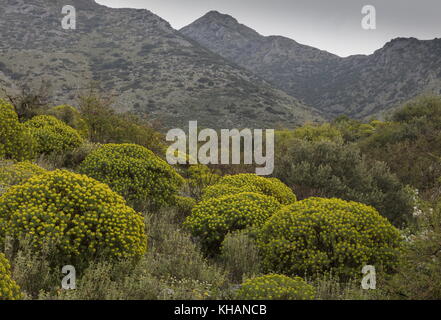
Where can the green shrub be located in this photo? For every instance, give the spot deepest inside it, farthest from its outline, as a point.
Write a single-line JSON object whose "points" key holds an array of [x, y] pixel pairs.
{"points": [[212, 219], [248, 182], [53, 135], [8, 288], [332, 170], [18, 173], [15, 140], [200, 177], [71, 117], [240, 255], [328, 235], [276, 287], [134, 172], [418, 275], [82, 216]]}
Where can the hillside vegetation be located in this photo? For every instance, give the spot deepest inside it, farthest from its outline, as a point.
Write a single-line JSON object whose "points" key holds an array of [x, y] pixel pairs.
{"points": [[77, 190]]}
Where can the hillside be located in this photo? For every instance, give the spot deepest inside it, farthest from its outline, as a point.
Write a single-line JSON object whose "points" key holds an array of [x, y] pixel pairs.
{"points": [[358, 86], [151, 67]]}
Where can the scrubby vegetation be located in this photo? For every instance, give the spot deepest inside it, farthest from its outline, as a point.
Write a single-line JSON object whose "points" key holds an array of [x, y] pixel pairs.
{"points": [[275, 287], [53, 135], [89, 187], [317, 236], [134, 172], [8, 288]]}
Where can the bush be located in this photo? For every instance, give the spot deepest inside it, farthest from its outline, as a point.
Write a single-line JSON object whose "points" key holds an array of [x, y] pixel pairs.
{"points": [[248, 182], [82, 216], [53, 135], [184, 205], [331, 170], [134, 172], [200, 177], [72, 117], [8, 288], [328, 235], [15, 140], [17, 173], [276, 287], [418, 274], [212, 219]]}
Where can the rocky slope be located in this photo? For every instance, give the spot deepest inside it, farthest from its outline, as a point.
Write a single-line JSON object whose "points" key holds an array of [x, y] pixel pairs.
{"points": [[152, 68], [359, 86]]}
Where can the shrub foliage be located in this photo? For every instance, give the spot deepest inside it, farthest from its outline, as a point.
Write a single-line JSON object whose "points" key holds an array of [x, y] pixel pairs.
{"points": [[9, 290], [79, 214], [327, 235], [276, 287], [212, 219], [53, 135], [15, 140], [248, 182], [134, 172]]}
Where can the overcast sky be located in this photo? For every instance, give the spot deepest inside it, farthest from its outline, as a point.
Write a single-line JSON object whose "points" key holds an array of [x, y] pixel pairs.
{"points": [[334, 25]]}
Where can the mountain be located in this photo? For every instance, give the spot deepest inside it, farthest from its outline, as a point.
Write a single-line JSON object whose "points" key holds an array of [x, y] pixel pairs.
{"points": [[359, 86], [152, 68]]}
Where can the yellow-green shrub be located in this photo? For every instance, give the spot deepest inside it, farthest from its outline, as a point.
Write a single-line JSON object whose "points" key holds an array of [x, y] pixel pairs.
{"points": [[134, 172], [275, 287], [212, 219], [17, 173], [319, 235], [71, 117], [53, 135], [15, 141], [184, 205], [248, 182], [80, 215], [9, 290]]}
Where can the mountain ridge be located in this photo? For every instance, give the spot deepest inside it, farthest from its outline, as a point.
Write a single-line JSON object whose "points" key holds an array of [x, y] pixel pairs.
{"points": [[154, 69], [359, 85]]}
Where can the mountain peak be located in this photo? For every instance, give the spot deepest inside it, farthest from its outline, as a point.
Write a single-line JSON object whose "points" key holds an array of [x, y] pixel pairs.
{"points": [[218, 16]]}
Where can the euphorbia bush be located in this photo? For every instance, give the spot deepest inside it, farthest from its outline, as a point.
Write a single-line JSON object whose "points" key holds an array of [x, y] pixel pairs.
{"points": [[53, 135], [78, 214], [15, 141], [9, 290], [319, 235], [71, 117], [212, 219], [275, 287], [248, 182], [134, 172]]}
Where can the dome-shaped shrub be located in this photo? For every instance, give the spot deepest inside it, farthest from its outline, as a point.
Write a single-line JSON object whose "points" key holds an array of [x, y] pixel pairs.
{"points": [[275, 287], [248, 182], [53, 135], [320, 235], [134, 172], [212, 219], [71, 117], [15, 141], [17, 173], [79, 214], [9, 290]]}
